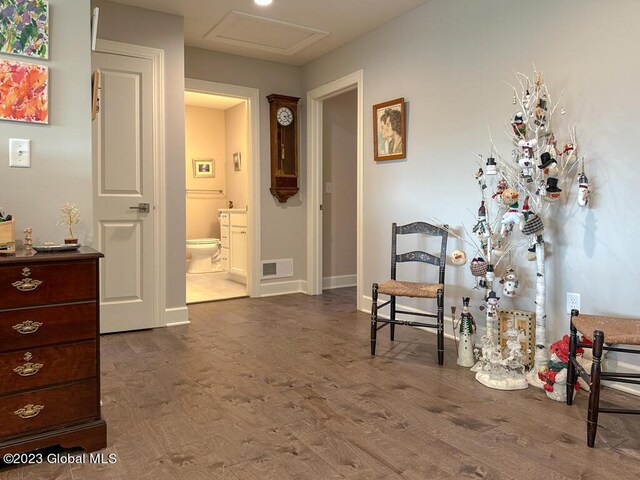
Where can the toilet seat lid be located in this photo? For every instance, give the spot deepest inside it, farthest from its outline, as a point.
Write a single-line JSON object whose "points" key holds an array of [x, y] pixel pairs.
{"points": [[203, 241]]}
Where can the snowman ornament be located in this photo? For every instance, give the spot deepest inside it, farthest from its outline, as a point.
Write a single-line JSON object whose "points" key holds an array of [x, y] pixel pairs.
{"points": [[583, 190], [510, 279]]}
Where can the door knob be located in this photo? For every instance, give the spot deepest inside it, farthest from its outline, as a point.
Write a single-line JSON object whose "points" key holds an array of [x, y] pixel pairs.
{"points": [[142, 208]]}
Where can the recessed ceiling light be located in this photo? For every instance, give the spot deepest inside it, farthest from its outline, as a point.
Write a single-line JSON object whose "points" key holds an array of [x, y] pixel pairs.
{"points": [[263, 3]]}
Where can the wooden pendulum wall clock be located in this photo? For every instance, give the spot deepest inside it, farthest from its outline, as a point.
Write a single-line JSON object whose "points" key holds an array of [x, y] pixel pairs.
{"points": [[283, 114]]}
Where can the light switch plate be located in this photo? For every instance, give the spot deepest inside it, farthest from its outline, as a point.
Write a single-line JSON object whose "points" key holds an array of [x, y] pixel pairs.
{"points": [[327, 187], [19, 153]]}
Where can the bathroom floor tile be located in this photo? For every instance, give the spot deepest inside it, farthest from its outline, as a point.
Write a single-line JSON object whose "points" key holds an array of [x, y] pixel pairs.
{"points": [[206, 287]]}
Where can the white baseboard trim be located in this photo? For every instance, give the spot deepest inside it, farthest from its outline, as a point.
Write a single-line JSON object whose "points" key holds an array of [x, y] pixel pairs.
{"points": [[283, 288], [610, 364], [339, 281], [615, 365], [176, 316]]}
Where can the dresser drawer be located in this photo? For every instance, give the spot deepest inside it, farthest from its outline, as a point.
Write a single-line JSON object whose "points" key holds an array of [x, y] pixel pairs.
{"points": [[34, 327], [48, 408], [39, 367], [41, 284]]}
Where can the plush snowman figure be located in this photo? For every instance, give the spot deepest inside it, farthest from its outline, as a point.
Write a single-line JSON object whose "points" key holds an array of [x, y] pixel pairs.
{"points": [[512, 215], [492, 305], [458, 257]]}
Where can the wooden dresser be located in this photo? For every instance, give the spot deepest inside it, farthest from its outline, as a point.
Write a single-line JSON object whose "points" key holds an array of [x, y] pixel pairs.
{"points": [[50, 351]]}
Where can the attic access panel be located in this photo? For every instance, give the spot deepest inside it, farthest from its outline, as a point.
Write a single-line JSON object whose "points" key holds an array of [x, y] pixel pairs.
{"points": [[261, 33]]}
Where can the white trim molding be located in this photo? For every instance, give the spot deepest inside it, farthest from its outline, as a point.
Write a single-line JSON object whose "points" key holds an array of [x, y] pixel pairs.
{"points": [[252, 96], [177, 316], [339, 281], [283, 288], [315, 100], [156, 56]]}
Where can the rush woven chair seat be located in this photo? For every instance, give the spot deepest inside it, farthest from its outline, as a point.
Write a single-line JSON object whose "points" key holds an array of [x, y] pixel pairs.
{"points": [[395, 288], [600, 329]]}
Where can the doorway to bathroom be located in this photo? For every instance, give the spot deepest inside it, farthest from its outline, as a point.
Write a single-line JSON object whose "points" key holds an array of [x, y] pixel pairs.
{"points": [[217, 171]]}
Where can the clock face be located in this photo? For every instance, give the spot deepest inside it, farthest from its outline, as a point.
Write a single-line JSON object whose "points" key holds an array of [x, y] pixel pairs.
{"points": [[284, 116]]}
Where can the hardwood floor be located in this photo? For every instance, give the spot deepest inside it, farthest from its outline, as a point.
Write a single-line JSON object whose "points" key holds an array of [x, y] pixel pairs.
{"points": [[284, 388]]}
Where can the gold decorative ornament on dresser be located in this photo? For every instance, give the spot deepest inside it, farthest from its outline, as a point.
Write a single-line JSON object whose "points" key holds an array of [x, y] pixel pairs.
{"points": [[283, 115], [50, 351]]}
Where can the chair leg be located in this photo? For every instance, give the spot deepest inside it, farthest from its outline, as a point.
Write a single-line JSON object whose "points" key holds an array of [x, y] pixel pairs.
{"points": [[440, 332], [392, 326], [374, 317], [572, 374], [594, 397]]}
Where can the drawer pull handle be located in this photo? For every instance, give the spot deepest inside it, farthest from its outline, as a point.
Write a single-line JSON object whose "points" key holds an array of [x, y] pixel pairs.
{"points": [[29, 411], [27, 285], [27, 327], [28, 369]]}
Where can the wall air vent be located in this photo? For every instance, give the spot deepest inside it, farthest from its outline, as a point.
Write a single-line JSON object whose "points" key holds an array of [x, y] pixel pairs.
{"points": [[277, 268]]}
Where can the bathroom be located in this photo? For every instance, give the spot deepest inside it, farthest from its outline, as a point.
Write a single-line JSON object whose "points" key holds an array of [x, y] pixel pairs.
{"points": [[216, 196]]}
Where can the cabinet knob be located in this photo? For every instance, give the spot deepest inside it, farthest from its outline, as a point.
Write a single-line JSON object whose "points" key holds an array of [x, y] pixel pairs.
{"points": [[27, 327], [29, 411]]}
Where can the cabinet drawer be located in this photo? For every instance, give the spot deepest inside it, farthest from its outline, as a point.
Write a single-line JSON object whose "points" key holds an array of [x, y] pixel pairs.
{"points": [[48, 408], [39, 367], [34, 327], [238, 219], [58, 283]]}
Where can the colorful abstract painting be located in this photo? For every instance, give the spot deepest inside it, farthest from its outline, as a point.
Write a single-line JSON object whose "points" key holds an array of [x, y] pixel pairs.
{"points": [[24, 27], [24, 92]]}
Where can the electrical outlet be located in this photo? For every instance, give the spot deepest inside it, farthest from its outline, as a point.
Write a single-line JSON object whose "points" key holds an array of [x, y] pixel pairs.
{"points": [[573, 301]]}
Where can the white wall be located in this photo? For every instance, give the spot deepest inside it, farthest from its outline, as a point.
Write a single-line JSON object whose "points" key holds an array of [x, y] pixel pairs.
{"points": [[278, 220], [137, 26], [450, 59], [61, 151], [205, 136], [236, 142], [339, 163]]}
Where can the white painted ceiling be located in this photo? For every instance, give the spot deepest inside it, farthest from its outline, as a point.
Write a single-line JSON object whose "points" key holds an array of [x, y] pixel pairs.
{"points": [[288, 31]]}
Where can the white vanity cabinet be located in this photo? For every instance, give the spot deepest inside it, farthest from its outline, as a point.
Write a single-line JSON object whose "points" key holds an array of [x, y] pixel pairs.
{"points": [[233, 237]]}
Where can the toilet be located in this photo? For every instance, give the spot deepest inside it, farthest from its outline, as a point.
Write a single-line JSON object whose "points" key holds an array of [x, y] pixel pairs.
{"points": [[205, 254]]}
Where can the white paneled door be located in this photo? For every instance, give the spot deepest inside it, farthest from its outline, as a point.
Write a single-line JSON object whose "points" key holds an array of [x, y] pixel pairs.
{"points": [[124, 191]]}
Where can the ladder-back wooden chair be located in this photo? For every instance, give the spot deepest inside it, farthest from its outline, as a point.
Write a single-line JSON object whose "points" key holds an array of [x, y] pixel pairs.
{"points": [[600, 329], [396, 288]]}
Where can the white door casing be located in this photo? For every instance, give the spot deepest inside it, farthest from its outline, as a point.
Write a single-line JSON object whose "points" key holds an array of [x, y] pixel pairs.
{"points": [[126, 138], [315, 100], [252, 96]]}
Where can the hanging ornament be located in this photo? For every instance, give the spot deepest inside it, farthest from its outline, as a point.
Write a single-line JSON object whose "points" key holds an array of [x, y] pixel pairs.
{"points": [[492, 305], [480, 228], [551, 146], [563, 111], [480, 178], [553, 192], [533, 225], [500, 188], [526, 159], [514, 101], [466, 356], [490, 276], [583, 188], [458, 257], [512, 215], [548, 164], [542, 189], [510, 280], [568, 154], [541, 112], [518, 125], [527, 98], [492, 168]]}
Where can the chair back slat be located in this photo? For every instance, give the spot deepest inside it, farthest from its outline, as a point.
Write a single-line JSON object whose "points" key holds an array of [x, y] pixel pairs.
{"points": [[418, 256], [421, 227]]}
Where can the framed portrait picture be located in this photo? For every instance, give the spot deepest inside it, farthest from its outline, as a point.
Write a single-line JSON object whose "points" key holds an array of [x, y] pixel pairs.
{"points": [[236, 161], [389, 137], [204, 168]]}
